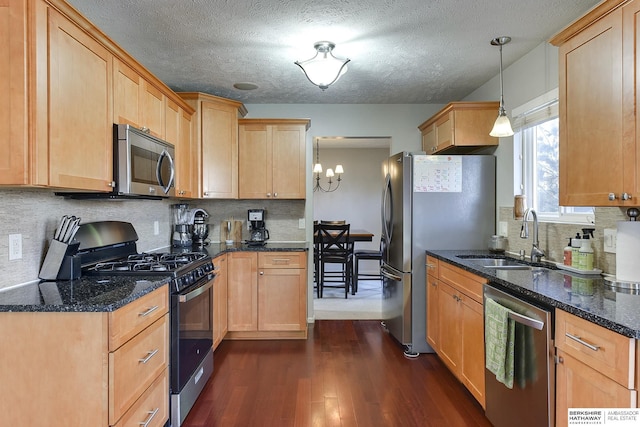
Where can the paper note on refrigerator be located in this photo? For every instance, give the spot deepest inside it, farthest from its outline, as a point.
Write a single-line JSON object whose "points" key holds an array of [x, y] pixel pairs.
{"points": [[437, 174]]}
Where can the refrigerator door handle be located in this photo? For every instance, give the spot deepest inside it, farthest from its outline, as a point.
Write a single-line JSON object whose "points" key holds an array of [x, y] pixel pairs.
{"points": [[386, 202], [389, 273]]}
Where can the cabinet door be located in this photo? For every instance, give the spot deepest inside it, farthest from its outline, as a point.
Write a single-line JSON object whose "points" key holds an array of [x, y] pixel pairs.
{"points": [[631, 51], [187, 170], [444, 132], [472, 353], [126, 94], [282, 299], [13, 111], [80, 112], [172, 123], [450, 327], [242, 281], [220, 300], [580, 386], [254, 162], [429, 142], [152, 109], [288, 161], [219, 134], [592, 151], [433, 324]]}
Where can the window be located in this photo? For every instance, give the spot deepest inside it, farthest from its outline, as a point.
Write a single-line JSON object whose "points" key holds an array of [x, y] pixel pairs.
{"points": [[536, 163]]}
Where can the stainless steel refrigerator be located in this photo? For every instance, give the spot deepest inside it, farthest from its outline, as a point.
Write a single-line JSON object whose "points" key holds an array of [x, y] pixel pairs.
{"points": [[429, 202]]}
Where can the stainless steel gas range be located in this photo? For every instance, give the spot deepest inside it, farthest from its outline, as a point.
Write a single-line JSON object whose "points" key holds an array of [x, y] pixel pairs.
{"points": [[109, 248]]}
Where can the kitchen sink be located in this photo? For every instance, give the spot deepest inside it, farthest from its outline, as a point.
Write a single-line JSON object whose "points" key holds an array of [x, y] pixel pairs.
{"points": [[497, 263]]}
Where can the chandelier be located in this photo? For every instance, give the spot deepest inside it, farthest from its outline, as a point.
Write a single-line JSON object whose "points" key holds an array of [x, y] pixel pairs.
{"points": [[502, 126], [324, 69], [317, 169]]}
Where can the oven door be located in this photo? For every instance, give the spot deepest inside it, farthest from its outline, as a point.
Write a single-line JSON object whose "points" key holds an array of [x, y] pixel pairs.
{"points": [[191, 332]]}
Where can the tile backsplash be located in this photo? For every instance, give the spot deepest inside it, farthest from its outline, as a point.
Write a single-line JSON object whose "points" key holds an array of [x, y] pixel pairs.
{"points": [[555, 236], [35, 213]]}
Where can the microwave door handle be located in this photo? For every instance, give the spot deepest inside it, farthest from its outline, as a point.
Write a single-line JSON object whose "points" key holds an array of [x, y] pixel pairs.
{"points": [[164, 154]]}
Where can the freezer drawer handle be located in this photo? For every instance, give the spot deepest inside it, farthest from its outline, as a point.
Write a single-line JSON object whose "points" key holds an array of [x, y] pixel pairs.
{"points": [[581, 341], [389, 275], [527, 321]]}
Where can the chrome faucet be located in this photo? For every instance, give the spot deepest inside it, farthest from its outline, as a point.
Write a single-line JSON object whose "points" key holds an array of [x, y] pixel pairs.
{"points": [[536, 252]]}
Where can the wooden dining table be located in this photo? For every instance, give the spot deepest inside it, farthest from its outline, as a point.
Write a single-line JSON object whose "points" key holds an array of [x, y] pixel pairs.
{"points": [[360, 235]]}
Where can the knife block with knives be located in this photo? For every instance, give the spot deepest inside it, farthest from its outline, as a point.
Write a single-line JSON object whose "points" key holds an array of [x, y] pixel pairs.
{"points": [[62, 261]]}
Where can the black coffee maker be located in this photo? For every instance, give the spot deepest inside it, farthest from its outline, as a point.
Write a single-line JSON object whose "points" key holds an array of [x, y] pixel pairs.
{"points": [[258, 234]]}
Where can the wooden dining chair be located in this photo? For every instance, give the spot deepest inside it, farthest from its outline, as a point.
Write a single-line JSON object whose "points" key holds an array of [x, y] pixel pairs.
{"points": [[335, 249], [366, 254]]}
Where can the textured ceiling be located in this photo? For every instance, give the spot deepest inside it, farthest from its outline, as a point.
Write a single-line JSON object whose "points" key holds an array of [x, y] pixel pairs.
{"points": [[401, 51]]}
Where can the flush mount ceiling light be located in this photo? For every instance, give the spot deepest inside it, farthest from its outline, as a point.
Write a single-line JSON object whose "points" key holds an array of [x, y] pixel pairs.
{"points": [[502, 126], [317, 169], [245, 86], [323, 69]]}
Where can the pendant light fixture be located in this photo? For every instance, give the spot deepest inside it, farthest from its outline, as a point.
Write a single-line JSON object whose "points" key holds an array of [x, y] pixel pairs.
{"points": [[317, 169], [324, 69], [502, 126]]}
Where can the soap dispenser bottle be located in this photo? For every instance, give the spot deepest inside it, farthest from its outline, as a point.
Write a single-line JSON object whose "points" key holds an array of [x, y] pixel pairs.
{"points": [[566, 254], [576, 242], [585, 253]]}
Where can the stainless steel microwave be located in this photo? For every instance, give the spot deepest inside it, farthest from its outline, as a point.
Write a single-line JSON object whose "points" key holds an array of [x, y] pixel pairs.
{"points": [[143, 164]]}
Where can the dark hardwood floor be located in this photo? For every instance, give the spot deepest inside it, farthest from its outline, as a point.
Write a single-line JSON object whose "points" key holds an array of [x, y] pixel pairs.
{"points": [[348, 373]]}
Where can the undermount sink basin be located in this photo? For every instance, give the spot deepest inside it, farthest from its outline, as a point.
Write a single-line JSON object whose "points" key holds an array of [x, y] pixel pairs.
{"points": [[498, 263]]}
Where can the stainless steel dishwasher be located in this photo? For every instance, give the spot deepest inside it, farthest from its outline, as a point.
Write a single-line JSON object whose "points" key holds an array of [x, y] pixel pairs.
{"points": [[531, 400]]}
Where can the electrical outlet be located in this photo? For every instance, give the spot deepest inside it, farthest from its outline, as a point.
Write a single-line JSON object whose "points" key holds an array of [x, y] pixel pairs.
{"points": [[610, 240], [301, 223], [15, 246], [156, 228]]}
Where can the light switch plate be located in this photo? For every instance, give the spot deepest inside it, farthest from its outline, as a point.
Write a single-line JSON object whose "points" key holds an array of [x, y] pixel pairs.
{"points": [[15, 246], [156, 228], [503, 228], [301, 223], [610, 240]]}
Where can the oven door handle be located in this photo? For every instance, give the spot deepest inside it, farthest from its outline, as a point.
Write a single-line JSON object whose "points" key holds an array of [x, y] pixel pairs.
{"points": [[197, 291]]}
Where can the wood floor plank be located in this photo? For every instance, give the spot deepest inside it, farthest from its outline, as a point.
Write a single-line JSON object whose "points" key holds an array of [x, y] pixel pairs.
{"points": [[348, 373]]}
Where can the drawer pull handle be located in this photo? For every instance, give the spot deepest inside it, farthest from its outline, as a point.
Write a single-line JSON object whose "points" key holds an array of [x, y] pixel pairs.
{"points": [[430, 265], [149, 356], [584, 343], [280, 261], [148, 312], [149, 418]]}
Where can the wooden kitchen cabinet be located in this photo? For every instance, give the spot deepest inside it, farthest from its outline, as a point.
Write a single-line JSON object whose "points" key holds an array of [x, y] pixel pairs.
{"points": [[271, 158], [267, 295], [460, 320], [67, 84], [598, 62], [596, 367], [460, 127], [432, 302], [179, 131], [216, 143], [220, 300], [84, 367]]}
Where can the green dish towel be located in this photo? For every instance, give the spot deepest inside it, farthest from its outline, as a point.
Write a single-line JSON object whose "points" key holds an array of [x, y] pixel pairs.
{"points": [[499, 341]]}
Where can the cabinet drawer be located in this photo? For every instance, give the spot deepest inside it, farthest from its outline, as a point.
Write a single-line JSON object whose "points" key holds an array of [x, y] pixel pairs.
{"points": [[134, 366], [129, 320], [152, 407], [282, 260], [465, 282], [605, 351], [433, 266]]}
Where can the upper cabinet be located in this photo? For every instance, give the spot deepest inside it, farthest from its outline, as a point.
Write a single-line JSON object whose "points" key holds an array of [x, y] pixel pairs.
{"points": [[67, 84], [598, 62], [460, 127], [216, 146], [271, 158]]}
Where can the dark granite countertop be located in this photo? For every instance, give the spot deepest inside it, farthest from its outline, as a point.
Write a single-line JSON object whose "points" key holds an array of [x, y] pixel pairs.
{"points": [[107, 293], [586, 296]]}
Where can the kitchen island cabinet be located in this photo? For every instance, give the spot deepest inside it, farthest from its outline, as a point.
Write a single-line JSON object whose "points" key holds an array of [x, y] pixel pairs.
{"points": [[216, 143], [84, 367], [271, 158], [267, 295], [460, 127], [598, 64]]}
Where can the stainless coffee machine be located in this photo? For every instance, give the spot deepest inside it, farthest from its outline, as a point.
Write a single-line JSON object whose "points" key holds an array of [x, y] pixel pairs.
{"points": [[181, 225], [258, 234]]}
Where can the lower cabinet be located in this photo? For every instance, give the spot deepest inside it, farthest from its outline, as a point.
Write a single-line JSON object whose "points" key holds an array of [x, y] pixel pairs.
{"points": [[596, 367], [85, 368], [220, 300], [459, 321], [267, 295]]}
